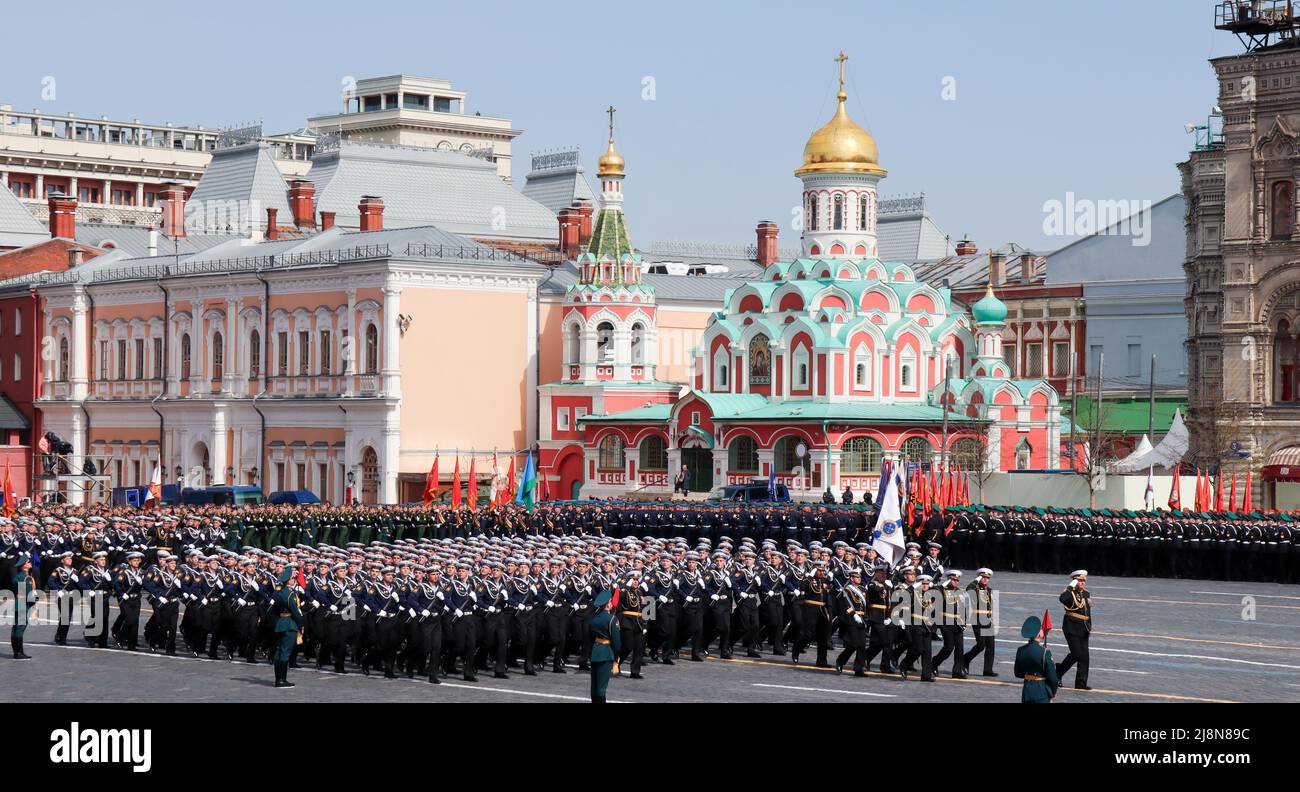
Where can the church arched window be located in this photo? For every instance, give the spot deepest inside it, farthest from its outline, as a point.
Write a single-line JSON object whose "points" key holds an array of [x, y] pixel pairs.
{"points": [[611, 453], [721, 359], [574, 345], [812, 211], [1282, 213], [839, 212], [1285, 356], [742, 455], [862, 213], [605, 342], [654, 453], [862, 367], [638, 344], [861, 455]]}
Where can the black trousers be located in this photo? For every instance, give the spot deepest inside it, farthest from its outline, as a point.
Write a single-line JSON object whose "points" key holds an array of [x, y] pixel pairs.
{"points": [[984, 642], [557, 629], [773, 620], [815, 624], [855, 646], [666, 629], [953, 644], [523, 637], [720, 626], [1078, 643], [747, 618], [693, 618], [881, 643], [126, 628], [334, 642], [95, 619], [578, 631], [920, 645], [465, 630], [632, 643]]}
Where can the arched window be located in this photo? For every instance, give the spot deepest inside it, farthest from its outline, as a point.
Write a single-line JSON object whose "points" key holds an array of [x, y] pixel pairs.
{"points": [[907, 372], [254, 354], [64, 359], [1024, 455], [861, 455], [1283, 210], [968, 454], [575, 344], [720, 368], [638, 344], [218, 356], [862, 367], [1285, 354], [611, 453], [799, 375], [760, 361], [786, 455], [812, 211], [372, 349], [742, 455], [369, 476], [862, 213], [654, 453], [916, 451], [185, 356], [839, 213], [605, 342]]}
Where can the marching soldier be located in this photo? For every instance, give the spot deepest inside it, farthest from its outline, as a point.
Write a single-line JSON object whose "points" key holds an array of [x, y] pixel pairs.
{"points": [[952, 624], [631, 623], [981, 600], [127, 586], [1077, 627], [913, 604], [853, 616]]}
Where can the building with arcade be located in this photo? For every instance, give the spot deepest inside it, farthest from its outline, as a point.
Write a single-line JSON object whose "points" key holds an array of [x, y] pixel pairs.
{"points": [[815, 372]]}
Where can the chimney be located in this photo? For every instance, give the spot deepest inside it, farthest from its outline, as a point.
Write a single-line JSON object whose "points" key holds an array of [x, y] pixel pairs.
{"points": [[372, 213], [570, 232], [302, 202], [326, 221], [965, 247], [63, 216], [173, 217], [272, 233], [767, 233], [997, 268], [75, 257], [1028, 268], [584, 229]]}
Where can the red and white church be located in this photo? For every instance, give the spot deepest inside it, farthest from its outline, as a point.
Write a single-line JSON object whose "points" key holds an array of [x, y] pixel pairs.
{"points": [[816, 371]]}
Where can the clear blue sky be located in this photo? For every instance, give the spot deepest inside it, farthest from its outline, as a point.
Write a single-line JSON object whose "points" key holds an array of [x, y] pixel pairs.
{"points": [[1052, 96]]}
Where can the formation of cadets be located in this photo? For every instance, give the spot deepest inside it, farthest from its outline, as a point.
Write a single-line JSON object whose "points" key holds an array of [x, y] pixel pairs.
{"points": [[392, 590]]}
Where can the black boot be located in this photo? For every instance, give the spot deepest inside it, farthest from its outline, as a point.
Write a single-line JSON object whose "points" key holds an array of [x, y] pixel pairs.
{"points": [[17, 644], [282, 674]]}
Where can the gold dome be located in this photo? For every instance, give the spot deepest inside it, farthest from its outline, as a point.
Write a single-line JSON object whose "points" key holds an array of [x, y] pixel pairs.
{"points": [[841, 146], [610, 163]]}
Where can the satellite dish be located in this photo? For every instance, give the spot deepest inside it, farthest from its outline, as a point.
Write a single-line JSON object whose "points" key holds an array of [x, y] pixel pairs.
{"points": [[801, 450]]}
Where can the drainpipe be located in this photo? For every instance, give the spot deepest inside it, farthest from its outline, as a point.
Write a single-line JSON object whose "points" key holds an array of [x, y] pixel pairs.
{"points": [[167, 321], [344, 482], [262, 450], [82, 404], [265, 333], [827, 434]]}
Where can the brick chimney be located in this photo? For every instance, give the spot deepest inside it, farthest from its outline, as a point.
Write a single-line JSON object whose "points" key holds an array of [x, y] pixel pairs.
{"points": [[63, 216], [1028, 268], [570, 231], [326, 221], [998, 267], [372, 213], [302, 195], [173, 216], [767, 232], [585, 212], [965, 247], [75, 256], [272, 233]]}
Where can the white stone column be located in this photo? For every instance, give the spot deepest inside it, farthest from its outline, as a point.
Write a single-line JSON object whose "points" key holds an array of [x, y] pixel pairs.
{"points": [[80, 350], [77, 459], [40, 187], [217, 453], [172, 386], [719, 467], [350, 357], [390, 460], [230, 375], [139, 193], [391, 369], [198, 352], [622, 354], [107, 197]]}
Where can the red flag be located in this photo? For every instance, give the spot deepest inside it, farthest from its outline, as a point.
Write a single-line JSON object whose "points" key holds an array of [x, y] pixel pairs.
{"points": [[455, 485], [1232, 503], [10, 501], [473, 485], [510, 481], [1245, 496], [431, 484], [1218, 498], [1175, 492], [1047, 623]]}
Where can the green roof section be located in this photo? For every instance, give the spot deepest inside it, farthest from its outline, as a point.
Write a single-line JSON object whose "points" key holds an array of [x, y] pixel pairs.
{"points": [[726, 405], [1129, 414], [609, 237], [655, 413], [850, 411]]}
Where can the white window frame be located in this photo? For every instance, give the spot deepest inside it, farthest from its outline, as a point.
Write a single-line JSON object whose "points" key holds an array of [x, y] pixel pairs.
{"points": [[562, 419]]}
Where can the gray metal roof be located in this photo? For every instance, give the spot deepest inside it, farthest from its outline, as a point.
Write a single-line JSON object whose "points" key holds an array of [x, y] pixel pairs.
{"points": [[17, 225], [10, 417], [235, 191], [134, 239], [456, 192], [1112, 254], [965, 272], [558, 188], [906, 232]]}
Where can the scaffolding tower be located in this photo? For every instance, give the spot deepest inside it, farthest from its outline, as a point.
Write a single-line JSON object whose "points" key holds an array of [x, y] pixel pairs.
{"points": [[1258, 24]]}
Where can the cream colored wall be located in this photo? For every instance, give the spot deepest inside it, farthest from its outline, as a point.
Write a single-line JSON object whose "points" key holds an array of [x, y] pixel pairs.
{"points": [[464, 372], [679, 333]]}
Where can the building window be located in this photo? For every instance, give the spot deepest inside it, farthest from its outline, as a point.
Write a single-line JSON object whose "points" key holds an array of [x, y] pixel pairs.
{"points": [[282, 353], [605, 342], [121, 358], [326, 353], [1283, 213], [1061, 359], [742, 456], [861, 455], [1009, 357], [611, 453], [254, 354], [139, 358], [638, 344], [304, 353], [760, 361], [218, 357], [65, 360], [801, 367], [157, 358], [18, 367], [1135, 360], [916, 451], [720, 360], [574, 346], [103, 360], [907, 373], [839, 212], [372, 349], [654, 453], [967, 454], [1024, 455], [786, 456], [562, 419], [18, 321], [279, 476], [812, 211], [862, 213], [1033, 360], [862, 367]]}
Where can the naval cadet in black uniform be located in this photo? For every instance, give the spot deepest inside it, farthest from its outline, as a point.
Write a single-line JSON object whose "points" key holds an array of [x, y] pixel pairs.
{"points": [[1077, 627]]}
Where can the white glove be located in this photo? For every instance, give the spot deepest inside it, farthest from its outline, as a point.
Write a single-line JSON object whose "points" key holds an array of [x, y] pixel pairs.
{"points": [[60, 594], [442, 596], [459, 612], [393, 596], [334, 609], [676, 581], [550, 603], [888, 622], [220, 584], [492, 609], [587, 589], [241, 601], [1074, 583], [74, 578], [663, 599], [203, 601], [412, 612], [424, 612], [713, 597], [857, 619], [367, 607]]}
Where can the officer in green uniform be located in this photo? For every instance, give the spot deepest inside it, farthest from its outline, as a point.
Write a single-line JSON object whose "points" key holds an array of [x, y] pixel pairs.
{"points": [[287, 625], [605, 645], [23, 586], [1034, 665]]}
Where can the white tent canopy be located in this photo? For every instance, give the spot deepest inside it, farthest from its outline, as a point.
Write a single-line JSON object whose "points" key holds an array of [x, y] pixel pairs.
{"points": [[1166, 455]]}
